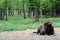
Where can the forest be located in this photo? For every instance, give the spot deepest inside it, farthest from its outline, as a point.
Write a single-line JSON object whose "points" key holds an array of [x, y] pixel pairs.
{"points": [[23, 14]]}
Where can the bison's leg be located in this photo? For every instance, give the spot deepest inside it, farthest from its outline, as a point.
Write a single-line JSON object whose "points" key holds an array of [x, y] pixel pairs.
{"points": [[42, 32], [38, 31], [52, 31]]}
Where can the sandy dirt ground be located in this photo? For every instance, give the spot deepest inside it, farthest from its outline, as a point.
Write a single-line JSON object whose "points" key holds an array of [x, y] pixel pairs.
{"points": [[28, 35]]}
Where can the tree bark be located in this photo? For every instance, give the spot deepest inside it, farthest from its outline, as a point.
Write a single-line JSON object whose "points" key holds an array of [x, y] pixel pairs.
{"points": [[41, 13], [36, 15], [1, 16], [29, 13], [6, 13], [54, 10], [23, 9], [12, 12], [50, 11], [19, 11]]}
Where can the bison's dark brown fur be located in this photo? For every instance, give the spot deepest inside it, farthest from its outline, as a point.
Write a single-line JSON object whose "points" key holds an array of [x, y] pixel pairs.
{"points": [[46, 29]]}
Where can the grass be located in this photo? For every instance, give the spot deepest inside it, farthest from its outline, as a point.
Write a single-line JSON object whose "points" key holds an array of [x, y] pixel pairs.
{"points": [[17, 22]]}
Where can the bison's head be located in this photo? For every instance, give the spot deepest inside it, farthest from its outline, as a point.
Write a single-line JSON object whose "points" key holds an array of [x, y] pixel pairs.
{"points": [[47, 23]]}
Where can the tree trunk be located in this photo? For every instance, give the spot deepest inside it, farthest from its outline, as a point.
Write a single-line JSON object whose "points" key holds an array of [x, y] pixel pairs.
{"points": [[6, 13], [23, 9], [19, 11], [41, 13], [12, 12], [29, 13], [1, 16], [50, 11], [9, 12], [54, 11], [4, 10], [35, 15]]}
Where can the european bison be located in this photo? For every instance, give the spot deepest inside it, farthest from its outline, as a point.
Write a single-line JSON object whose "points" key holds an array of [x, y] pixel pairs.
{"points": [[46, 29]]}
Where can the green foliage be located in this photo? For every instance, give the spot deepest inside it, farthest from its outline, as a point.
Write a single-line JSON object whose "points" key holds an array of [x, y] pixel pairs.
{"points": [[29, 4], [1, 4], [14, 4], [17, 22], [33, 4]]}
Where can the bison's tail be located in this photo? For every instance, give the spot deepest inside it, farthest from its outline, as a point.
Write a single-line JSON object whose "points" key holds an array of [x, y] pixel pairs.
{"points": [[34, 32]]}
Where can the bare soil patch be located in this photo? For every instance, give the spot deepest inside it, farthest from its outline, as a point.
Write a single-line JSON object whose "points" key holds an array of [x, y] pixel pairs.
{"points": [[28, 35]]}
